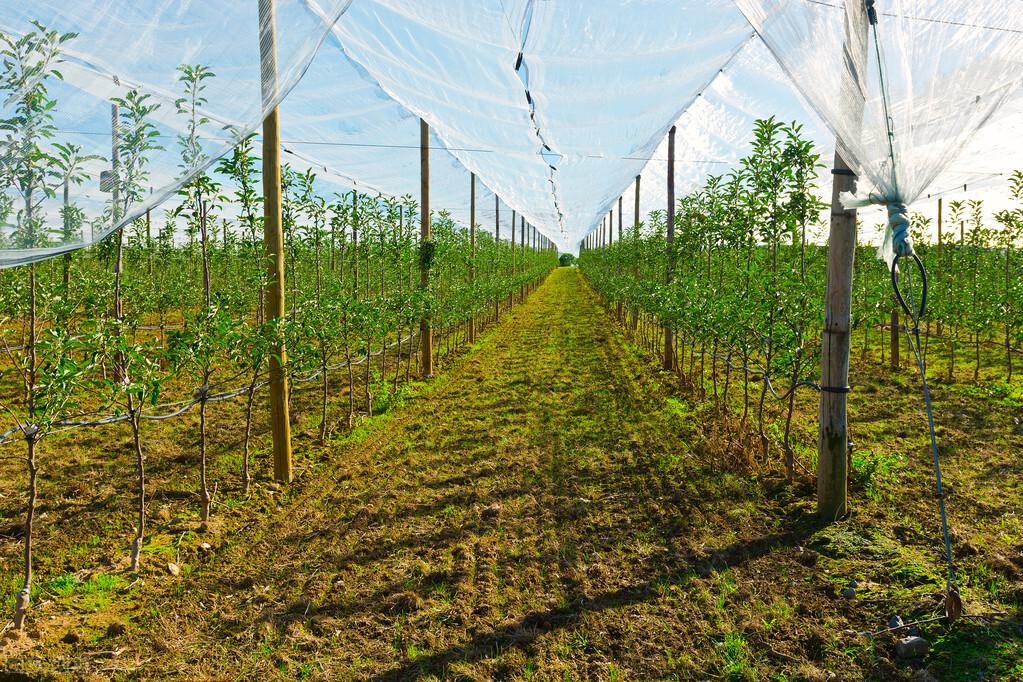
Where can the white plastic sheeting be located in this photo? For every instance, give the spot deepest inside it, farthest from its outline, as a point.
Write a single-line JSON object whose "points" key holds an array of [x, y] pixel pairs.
{"points": [[123, 46], [555, 105], [904, 84]]}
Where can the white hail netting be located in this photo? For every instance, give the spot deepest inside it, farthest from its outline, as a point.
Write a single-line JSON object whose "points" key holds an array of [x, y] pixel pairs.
{"points": [[905, 95], [555, 105]]}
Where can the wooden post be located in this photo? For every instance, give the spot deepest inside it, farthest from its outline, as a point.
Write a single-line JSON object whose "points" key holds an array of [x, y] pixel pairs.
{"points": [[619, 218], [426, 255], [355, 242], [522, 239], [894, 334], [115, 210], [522, 258], [669, 270], [472, 249], [511, 295], [635, 259], [497, 252], [115, 214], [620, 310], [833, 439], [273, 240], [940, 258], [149, 239]]}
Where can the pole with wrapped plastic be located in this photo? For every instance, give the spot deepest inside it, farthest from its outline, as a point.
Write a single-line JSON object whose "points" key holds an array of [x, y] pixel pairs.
{"points": [[273, 240]]}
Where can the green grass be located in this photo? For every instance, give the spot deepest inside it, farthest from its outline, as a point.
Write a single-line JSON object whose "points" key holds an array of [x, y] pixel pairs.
{"points": [[876, 472], [551, 507]]}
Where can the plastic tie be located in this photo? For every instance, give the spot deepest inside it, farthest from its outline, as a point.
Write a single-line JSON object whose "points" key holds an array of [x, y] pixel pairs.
{"points": [[898, 220]]}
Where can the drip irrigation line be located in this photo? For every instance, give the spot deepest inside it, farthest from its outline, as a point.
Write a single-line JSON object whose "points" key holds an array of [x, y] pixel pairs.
{"points": [[953, 602], [902, 247]]}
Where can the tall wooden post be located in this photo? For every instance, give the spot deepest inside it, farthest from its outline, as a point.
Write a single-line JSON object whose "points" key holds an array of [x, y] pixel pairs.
{"points": [[355, 242], [115, 202], [273, 240], [522, 239], [669, 270], [497, 252], [115, 208], [522, 258], [511, 295], [472, 249], [513, 240], [620, 309], [941, 250], [149, 238], [894, 334], [833, 439], [426, 248], [619, 218], [635, 256]]}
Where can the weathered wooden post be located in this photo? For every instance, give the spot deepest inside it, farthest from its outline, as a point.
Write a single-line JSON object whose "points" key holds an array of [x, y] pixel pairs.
{"points": [[894, 334], [511, 294], [634, 325], [497, 252], [355, 242], [522, 259], [273, 241], [426, 249], [620, 218], [621, 309], [472, 249], [941, 251], [833, 439], [669, 270]]}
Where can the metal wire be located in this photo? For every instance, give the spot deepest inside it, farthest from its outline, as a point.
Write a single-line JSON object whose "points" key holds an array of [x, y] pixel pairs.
{"points": [[180, 407]]}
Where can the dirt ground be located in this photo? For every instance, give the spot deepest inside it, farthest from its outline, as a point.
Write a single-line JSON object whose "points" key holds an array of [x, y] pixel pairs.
{"points": [[550, 507]]}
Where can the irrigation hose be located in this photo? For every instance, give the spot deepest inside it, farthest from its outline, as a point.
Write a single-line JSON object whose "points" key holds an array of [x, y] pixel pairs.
{"points": [[953, 602], [899, 224]]}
